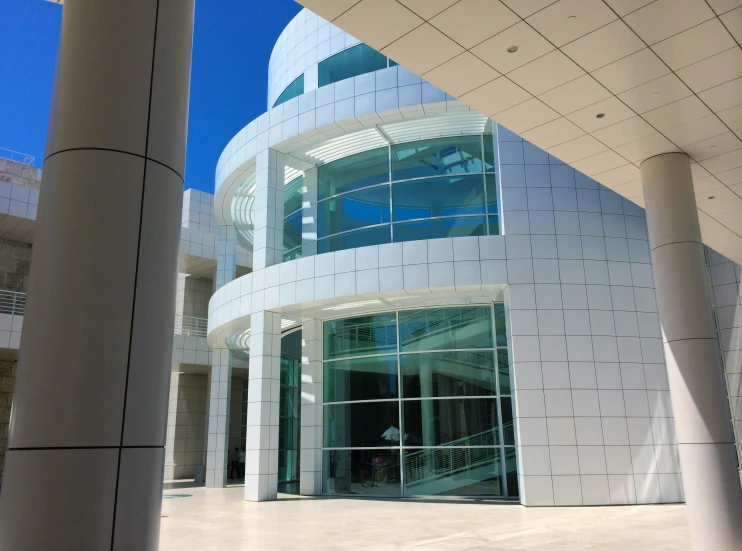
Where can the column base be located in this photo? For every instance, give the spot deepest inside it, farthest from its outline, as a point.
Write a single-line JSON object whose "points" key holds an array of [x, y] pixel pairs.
{"points": [[261, 487], [712, 495]]}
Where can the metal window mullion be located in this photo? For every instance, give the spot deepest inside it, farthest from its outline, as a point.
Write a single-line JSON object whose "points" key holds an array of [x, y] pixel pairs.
{"points": [[399, 394], [503, 465], [484, 183], [391, 218]]}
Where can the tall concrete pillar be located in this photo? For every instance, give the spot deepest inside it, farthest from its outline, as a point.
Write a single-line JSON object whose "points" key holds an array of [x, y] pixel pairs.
{"points": [[87, 438], [310, 477], [268, 206], [263, 394], [220, 397], [309, 213], [702, 422]]}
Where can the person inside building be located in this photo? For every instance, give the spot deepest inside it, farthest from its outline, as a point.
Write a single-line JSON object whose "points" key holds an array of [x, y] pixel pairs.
{"points": [[241, 463], [234, 463]]}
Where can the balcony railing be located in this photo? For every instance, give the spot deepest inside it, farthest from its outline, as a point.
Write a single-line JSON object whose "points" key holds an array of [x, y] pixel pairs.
{"points": [[190, 326], [17, 156], [12, 302]]}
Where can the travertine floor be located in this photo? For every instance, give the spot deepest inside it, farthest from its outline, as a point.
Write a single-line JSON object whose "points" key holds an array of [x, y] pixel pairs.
{"points": [[220, 519]]}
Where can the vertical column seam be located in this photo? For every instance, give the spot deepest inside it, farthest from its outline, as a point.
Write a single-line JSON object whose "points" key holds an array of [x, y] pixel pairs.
{"points": [[136, 275]]}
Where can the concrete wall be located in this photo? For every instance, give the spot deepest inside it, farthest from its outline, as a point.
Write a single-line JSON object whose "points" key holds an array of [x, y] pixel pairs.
{"points": [[20, 174], [15, 264], [725, 278], [186, 425], [192, 296]]}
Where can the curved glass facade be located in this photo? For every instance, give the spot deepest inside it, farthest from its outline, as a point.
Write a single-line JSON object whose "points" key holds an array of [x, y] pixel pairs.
{"points": [[292, 204], [293, 90], [354, 61], [444, 187], [417, 402]]}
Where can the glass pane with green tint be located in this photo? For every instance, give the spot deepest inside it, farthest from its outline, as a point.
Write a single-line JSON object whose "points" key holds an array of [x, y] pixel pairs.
{"points": [[443, 374], [355, 239], [500, 328], [493, 225], [293, 90], [503, 370], [508, 430], [437, 157], [360, 336], [362, 472], [490, 154], [353, 172], [451, 471], [292, 231], [451, 422], [372, 378], [458, 328], [437, 228], [437, 197], [511, 471], [491, 185], [358, 60], [353, 211], [361, 425], [293, 195], [293, 254]]}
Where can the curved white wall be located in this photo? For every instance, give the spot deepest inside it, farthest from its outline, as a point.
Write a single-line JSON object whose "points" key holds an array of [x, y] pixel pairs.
{"points": [[306, 40], [344, 107]]}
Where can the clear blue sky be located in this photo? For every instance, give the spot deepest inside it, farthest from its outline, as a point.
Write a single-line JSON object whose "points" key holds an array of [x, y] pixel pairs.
{"points": [[231, 47]]}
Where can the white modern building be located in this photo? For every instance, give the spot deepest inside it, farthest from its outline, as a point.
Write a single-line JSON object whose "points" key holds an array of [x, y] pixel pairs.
{"points": [[476, 316], [423, 302]]}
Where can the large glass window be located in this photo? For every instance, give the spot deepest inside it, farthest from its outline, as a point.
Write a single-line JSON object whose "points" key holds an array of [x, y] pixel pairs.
{"points": [[447, 430], [358, 60], [293, 193], [293, 90], [353, 172], [439, 157], [353, 211], [289, 413], [437, 197], [444, 187]]}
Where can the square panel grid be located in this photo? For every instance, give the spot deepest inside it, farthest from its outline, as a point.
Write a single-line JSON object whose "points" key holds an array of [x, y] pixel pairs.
{"points": [[637, 78]]}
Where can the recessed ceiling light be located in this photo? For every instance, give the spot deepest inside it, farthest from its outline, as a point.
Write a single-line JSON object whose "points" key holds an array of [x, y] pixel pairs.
{"points": [[600, 115], [512, 49], [655, 95]]}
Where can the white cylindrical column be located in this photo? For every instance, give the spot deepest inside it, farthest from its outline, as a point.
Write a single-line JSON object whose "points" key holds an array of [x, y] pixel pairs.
{"points": [[87, 439], [702, 423]]}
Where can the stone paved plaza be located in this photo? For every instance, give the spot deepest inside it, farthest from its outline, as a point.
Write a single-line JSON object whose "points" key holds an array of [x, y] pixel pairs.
{"points": [[221, 520]]}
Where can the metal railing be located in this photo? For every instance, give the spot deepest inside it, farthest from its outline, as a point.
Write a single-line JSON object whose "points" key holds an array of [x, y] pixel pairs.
{"points": [[452, 457], [191, 326], [12, 302], [17, 156]]}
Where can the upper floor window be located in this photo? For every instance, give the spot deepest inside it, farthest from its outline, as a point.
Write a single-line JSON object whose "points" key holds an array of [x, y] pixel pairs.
{"points": [[426, 189], [293, 90], [292, 198], [358, 60]]}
